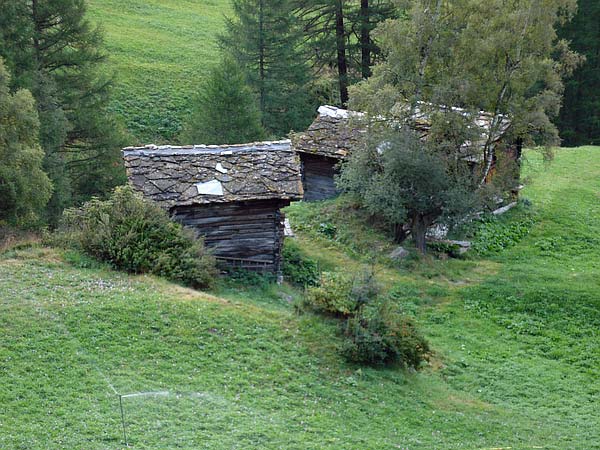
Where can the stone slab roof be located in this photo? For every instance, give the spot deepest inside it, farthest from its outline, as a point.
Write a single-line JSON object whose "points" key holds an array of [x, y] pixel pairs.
{"points": [[204, 174], [334, 134]]}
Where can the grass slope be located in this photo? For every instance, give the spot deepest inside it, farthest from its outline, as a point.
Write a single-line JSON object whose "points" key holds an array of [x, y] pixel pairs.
{"points": [[159, 51], [516, 337]]}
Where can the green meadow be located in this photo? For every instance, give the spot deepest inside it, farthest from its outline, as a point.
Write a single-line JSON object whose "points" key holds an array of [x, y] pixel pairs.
{"points": [[158, 53], [515, 334]]}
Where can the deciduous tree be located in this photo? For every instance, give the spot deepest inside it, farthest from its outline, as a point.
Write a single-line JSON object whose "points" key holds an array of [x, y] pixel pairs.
{"points": [[24, 187], [448, 61]]}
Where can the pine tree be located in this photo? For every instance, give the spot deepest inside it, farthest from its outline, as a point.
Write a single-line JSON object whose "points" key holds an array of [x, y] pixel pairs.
{"points": [[579, 121], [225, 111], [264, 39], [338, 34], [24, 187], [55, 53]]}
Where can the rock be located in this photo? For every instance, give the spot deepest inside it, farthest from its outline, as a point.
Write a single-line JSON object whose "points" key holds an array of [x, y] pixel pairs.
{"points": [[399, 253], [461, 246], [288, 232], [438, 232], [504, 209]]}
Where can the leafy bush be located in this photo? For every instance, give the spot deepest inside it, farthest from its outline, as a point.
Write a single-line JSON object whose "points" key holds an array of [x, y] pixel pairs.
{"points": [[328, 229], [333, 295], [342, 295], [379, 336], [137, 236], [248, 278], [495, 235], [448, 248], [298, 268]]}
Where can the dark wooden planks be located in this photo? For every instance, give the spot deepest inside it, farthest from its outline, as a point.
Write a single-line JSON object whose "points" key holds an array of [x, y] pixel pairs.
{"points": [[318, 177], [243, 234]]}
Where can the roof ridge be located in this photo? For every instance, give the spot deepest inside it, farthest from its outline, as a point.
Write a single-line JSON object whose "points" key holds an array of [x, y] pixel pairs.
{"points": [[259, 144]]}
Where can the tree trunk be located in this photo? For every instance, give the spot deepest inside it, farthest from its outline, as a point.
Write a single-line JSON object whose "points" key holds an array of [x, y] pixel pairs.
{"points": [[365, 38], [261, 56], [419, 230], [340, 39], [399, 233]]}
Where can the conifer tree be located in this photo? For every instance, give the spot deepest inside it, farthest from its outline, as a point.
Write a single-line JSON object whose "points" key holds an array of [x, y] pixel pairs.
{"points": [[263, 38], [55, 53], [338, 34], [579, 121], [225, 111]]}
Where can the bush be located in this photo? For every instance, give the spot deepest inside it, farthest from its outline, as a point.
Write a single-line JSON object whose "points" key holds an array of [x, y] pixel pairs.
{"points": [[333, 295], [298, 268], [342, 295], [380, 336], [137, 236]]}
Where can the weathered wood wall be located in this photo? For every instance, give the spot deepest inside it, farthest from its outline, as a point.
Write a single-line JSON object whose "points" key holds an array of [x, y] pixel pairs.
{"points": [[242, 234], [317, 177]]}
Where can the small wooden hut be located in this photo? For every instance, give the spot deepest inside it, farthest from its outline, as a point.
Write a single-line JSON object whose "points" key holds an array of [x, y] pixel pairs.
{"points": [[232, 195], [328, 140], [333, 136]]}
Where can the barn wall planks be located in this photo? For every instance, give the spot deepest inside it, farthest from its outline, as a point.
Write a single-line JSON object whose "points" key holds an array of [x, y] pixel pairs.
{"points": [[318, 177], [245, 234]]}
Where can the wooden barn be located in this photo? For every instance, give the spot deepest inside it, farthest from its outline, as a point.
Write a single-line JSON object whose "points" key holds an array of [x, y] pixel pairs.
{"points": [[333, 136], [231, 195], [328, 140]]}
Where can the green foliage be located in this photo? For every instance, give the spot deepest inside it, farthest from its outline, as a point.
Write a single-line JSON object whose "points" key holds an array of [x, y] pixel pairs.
{"points": [[225, 111], [297, 267], [59, 62], [265, 38], [328, 230], [341, 294], [24, 187], [138, 237], [250, 278], [380, 335], [402, 179], [333, 295], [338, 35], [494, 235], [474, 55], [444, 247]]}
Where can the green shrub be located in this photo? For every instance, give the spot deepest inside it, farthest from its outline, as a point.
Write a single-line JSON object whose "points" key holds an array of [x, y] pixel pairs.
{"points": [[298, 268], [328, 229], [447, 248], [333, 295], [381, 336], [137, 236], [342, 295]]}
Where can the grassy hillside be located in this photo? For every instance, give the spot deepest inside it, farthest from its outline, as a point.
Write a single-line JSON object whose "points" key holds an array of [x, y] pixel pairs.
{"points": [[516, 364], [159, 50]]}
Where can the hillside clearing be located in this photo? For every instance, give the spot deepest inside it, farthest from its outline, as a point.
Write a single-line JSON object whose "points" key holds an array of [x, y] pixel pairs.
{"points": [[159, 51], [517, 359]]}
